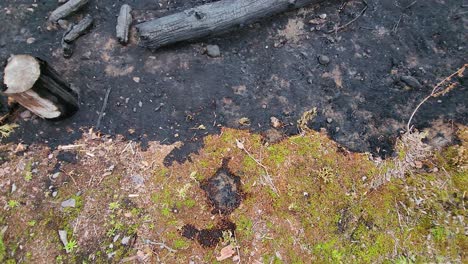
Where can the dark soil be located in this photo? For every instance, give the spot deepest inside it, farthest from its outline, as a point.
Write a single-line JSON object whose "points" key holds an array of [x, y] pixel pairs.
{"points": [[208, 237], [267, 69], [223, 190]]}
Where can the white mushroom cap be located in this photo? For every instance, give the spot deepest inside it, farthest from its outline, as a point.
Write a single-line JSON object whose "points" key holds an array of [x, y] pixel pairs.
{"points": [[21, 72]]}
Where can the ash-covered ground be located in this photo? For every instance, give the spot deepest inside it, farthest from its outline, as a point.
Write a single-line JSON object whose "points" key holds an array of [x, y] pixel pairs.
{"points": [[268, 69]]}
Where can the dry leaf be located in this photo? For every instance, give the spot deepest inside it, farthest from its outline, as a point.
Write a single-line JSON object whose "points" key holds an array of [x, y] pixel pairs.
{"points": [[226, 252], [244, 121]]}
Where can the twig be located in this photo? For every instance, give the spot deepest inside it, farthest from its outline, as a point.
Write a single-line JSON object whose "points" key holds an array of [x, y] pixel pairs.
{"points": [[435, 91], [410, 5], [336, 29], [161, 244], [267, 177], [237, 247], [106, 98], [395, 28]]}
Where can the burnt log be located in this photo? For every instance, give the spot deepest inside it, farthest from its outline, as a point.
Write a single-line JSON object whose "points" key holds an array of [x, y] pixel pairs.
{"points": [[35, 85], [123, 23], [66, 9], [77, 30], [210, 19]]}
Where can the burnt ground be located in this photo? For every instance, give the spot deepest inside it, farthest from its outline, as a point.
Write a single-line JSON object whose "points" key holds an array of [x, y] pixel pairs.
{"points": [[267, 69]]}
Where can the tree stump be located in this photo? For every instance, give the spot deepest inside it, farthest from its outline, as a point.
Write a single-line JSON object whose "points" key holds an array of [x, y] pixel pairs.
{"points": [[39, 88]]}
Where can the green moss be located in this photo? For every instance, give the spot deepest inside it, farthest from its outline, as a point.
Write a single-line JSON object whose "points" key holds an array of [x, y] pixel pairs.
{"points": [[439, 233], [244, 225], [460, 181], [189, 203], [2, 249], [278, 153], [181, 244]]}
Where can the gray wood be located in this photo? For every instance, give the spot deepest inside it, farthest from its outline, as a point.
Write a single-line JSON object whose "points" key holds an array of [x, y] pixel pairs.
{"points": [[211, 19], [123, 23], [79, 29], [66, 9]]}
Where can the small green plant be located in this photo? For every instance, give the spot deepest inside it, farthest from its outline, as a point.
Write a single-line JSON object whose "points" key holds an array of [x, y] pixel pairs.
{"points": [[114, 205], [13, 203], [7, 129], [166, 212], [28, 171], [2, 248], [71, 245], [31, 223]]}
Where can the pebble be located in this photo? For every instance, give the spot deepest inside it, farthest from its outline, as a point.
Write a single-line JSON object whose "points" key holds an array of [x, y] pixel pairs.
{"points": [[323, 16], [25, 114], [68, 203], [329, 120], [136, 79], [63, 23], [324, 60], [275, 122], [140, 104], [116, 237], [86, 55], [13, 188], [125, 240], [56, 175], [411, 81], [54, 194], [138, 180], [63, 238], [213, 51], [30, 40]]}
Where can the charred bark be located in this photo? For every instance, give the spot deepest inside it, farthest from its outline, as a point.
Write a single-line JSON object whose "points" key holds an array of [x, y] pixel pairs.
{"points": [[123, 23], [66, 9]]}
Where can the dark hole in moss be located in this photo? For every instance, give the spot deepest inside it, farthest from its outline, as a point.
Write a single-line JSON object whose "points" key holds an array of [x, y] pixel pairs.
{"points": [[208, 237], [223, 190], [189, 231]]}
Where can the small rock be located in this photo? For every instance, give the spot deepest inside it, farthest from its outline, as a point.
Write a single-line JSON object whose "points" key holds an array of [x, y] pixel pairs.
{"points": [[86, 55], [116, 237], [25, 114], [244, 121], [63, 238], [324, 60], [138, 180], [30, 40], [56, 175], [68, 203], [125, 240], [140, 104], [411, 81], [275, 122], [136, 79], [323, 16], [63, 23], [54, 194], [329, 120], [213, 51], [13, 188]]}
